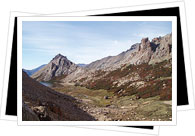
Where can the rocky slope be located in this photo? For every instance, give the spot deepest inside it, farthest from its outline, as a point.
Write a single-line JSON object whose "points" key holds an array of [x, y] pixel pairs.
{"points": [[48, 104], [58, 66]]}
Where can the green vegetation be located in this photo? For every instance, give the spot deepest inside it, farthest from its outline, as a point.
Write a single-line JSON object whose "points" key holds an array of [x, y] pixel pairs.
{"points": [[119, 108], [132, 92], [92, 96], [155, 109]]}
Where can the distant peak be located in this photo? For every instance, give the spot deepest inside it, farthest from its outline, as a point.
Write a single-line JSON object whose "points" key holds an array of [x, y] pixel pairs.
{"points": [[59, 56]]}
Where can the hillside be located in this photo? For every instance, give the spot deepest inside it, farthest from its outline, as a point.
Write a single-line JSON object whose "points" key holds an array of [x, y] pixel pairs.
{"points": [[48, 104], [142, 80]]}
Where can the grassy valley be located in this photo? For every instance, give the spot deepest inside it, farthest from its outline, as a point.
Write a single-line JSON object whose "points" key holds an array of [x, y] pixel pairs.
{"points": [[105, 105], [144, 92]]}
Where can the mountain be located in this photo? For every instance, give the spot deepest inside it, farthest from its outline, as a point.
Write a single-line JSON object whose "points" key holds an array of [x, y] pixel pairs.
{"points": [[31, 72], [113, 61], [58, 66], [43, 103], [142, 67], [157, 50], [145, 52]]}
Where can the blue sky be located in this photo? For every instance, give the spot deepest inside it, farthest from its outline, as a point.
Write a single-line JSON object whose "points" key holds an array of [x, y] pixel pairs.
{"points": [[84, 41]]}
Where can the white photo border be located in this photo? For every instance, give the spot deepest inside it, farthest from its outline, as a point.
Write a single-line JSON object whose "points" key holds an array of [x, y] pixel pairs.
{"points": [[101, 123], [8, 64], [130, 8], [14, 14]]}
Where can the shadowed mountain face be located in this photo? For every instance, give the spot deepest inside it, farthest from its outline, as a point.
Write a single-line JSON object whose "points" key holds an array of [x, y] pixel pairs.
{"points": [[31, 72], [48, 104], [58, 66]]}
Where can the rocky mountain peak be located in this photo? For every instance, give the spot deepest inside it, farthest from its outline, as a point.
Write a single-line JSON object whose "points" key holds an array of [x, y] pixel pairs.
{"points": [[59, 56], [144, 40], [145, 43], [58, 66], [61, 60], [156, 40]]}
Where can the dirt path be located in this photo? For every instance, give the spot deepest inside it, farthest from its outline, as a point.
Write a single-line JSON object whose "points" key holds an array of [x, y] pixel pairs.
{"points": [[168, 102]]}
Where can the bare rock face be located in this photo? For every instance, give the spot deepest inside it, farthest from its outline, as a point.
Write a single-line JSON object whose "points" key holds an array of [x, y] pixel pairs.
{"points": [[163, 50], [144, 53], [58, 66], [145, 43]]}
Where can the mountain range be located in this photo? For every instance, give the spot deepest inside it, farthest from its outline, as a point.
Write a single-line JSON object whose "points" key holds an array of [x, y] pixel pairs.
{"points": [[157, 50], [138, 67]]}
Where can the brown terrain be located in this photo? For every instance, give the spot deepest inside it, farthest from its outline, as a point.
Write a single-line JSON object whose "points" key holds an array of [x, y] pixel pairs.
{"points": [[48, 104]]}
